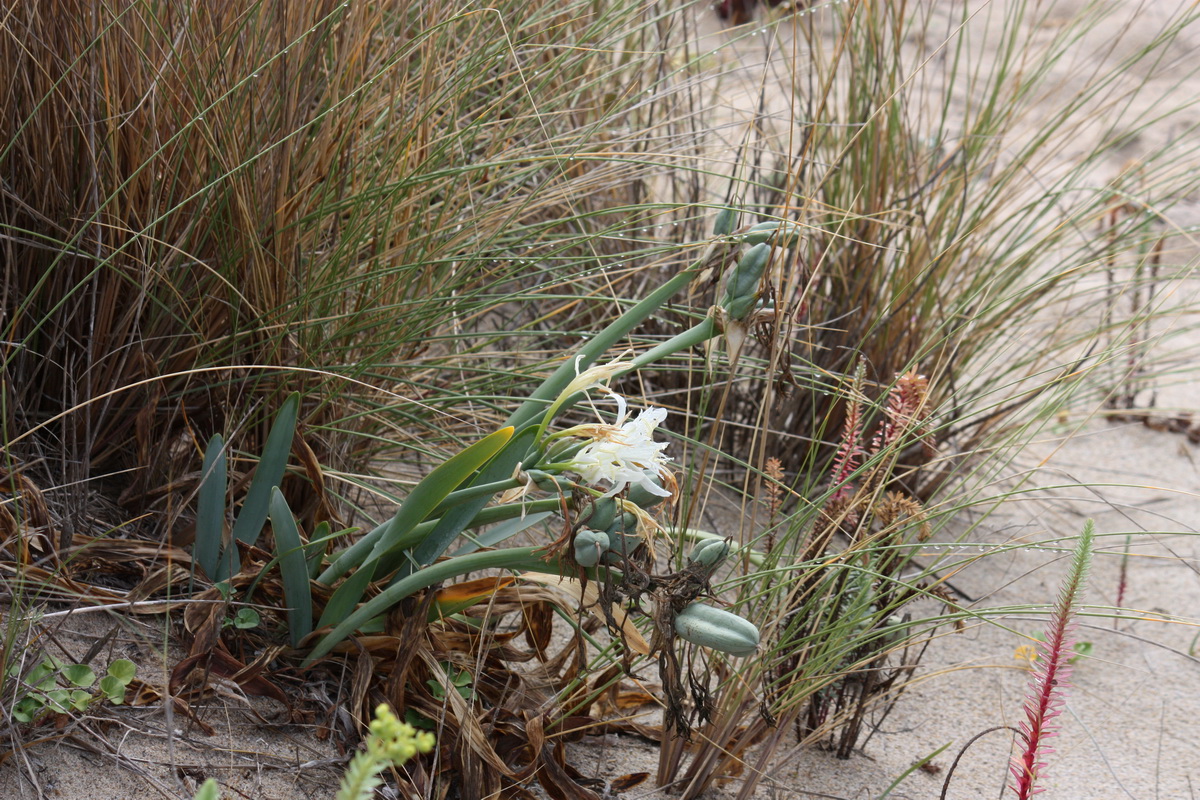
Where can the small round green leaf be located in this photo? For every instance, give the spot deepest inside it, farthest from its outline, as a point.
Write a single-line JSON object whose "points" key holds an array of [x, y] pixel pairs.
{"points": [[80, 699], [113, 689], [123, 670], [27, 709], [209, 791], [246, 618], [79, 674], [58, 700]]}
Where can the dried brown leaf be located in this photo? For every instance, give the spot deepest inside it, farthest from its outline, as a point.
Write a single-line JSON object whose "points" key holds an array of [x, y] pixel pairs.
{"points": [[589, 597]]}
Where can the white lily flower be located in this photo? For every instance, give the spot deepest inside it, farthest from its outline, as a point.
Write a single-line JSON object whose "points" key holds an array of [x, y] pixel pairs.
{"points": [[621, 454]]}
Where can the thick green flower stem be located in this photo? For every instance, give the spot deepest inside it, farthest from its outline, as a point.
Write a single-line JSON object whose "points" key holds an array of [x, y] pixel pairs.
{"points": [[698, 334], [357, 553], [515, 558], [601, 342]]}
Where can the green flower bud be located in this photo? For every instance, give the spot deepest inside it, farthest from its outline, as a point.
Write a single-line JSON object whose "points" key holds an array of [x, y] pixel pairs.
{"points": [[741, 287], [709, 553], [726, 219], [780, 234]]}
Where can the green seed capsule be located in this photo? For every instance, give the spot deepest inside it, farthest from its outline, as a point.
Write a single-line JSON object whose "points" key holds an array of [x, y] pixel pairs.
{"points": [[604, 511], [643, 498], [780, 234], [620, 547], [716, 628], [626, 523], [589, 546]]}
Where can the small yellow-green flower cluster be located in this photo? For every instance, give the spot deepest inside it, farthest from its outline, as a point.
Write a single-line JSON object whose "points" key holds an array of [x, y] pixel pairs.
{"points": [[390, 741], [397, 741]]}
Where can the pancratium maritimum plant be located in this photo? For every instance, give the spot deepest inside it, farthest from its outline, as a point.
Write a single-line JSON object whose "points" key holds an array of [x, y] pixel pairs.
{"points": [[621, 471], [603, 480]]}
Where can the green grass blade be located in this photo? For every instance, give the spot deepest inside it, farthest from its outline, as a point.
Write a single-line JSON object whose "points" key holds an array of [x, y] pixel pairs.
{"points": [[426, 496], [210, 514], [289, 549], [916, 765]]}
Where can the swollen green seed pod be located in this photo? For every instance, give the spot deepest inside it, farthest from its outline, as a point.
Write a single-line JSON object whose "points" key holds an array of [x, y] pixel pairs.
{"points": [[643, 498], [716, 628], [709, 553], [589, 546], [625, 523], [620, 547], [604, 511]]}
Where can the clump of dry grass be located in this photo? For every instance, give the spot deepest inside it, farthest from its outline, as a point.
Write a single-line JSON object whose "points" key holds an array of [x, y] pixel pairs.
{"points": [[208, 205]]}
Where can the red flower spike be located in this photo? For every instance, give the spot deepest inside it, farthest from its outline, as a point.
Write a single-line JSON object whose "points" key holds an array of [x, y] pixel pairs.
{"points": [[1052, 670]]}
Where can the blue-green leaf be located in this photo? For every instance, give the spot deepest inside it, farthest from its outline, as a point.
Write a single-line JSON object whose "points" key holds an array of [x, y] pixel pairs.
{"points": [[456, 520], [289, 549], [268, 474], [210, 514], [518, 558], [421, 501]]}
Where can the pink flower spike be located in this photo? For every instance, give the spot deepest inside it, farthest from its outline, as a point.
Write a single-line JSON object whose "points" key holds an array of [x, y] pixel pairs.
{"points": [[1052, 670]]}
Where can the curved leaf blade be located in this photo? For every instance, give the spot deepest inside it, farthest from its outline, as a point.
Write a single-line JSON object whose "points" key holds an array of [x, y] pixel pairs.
{"points": [[210, 511], [421, 501], [293, 567], [268, 474]]}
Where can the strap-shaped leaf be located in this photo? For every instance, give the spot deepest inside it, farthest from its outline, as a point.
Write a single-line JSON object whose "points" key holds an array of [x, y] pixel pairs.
{"points": [[456, 520], [502, 532], [289, 549], [268, 474], [318, 543], [210, 508], [421, 501], [517, 558], [357, 553]]}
